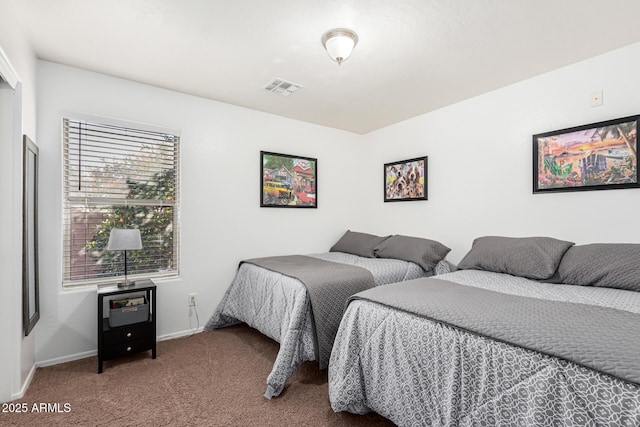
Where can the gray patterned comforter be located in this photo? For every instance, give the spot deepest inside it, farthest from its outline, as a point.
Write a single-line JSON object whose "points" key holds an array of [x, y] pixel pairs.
{"points": [[415, 371], [329, 285], [278, 307]]}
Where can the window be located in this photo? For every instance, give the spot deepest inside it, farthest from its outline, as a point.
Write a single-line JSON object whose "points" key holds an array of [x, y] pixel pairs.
{"points": [[119, 177]]}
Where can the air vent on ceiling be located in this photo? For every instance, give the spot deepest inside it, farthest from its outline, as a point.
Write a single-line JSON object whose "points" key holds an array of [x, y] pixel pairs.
{"points": [[281, 87]]}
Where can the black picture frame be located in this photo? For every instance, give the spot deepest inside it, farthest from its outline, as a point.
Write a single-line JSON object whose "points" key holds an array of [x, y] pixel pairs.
{"points": [[288, 181], [30, 279], [406, 180], [596, 156]]}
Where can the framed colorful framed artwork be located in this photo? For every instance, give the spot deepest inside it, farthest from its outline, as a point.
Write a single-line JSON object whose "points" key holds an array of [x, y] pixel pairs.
{"points": [[406, 180], [288, 181], [597, 156]]}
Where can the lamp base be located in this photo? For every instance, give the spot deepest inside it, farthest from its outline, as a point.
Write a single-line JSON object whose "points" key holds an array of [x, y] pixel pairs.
{"points": [[126, 284]]}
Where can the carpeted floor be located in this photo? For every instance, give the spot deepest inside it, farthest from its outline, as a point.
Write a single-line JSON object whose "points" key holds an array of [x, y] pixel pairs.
{"points": [[209, 379]]}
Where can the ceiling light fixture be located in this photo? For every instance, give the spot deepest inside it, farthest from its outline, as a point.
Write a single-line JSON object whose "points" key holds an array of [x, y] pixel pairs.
{"points": [[339, 43]]}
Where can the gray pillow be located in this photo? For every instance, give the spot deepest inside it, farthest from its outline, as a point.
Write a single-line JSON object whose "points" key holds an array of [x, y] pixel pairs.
{"points": [[530, 257], [424, 252], [355, 243], [608, 265]]}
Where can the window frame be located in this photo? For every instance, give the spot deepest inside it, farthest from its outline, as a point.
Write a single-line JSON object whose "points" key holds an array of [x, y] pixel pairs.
{"points": [[90, 202]]}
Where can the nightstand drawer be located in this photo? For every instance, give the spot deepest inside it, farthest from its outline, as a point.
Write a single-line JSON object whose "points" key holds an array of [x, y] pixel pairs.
{"points": [[117, 350], [124, 334]]}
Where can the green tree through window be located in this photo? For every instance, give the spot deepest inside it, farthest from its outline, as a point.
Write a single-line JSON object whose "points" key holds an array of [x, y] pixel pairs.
{"points": [[154, 222]]}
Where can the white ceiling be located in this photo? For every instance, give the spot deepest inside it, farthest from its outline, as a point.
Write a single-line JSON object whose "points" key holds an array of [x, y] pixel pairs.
{"points": [[414, 56]]}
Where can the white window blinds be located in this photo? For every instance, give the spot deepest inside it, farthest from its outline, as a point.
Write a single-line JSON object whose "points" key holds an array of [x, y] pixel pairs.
{"points": [[119, 177]]}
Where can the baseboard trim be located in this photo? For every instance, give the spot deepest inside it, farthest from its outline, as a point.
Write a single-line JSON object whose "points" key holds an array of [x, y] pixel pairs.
{"points": [[91, 353], [65, 359], [20, 394], [180, 334]]}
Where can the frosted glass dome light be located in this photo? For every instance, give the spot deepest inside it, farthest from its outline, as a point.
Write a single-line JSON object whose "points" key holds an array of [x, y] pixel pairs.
{"points": [[339, 43]]}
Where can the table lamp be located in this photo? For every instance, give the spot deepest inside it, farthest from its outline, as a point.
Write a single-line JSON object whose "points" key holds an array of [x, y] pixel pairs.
{"points": [[124, 239]]}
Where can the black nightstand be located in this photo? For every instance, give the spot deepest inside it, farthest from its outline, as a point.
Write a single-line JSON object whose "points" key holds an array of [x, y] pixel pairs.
{"points": [[122, 340]]}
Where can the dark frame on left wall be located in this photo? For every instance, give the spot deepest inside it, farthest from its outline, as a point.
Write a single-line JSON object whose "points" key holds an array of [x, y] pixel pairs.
{"points": [[30, 285]]}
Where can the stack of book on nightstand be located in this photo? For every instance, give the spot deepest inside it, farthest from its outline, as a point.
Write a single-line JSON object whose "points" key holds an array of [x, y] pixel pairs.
{"points": [[127, 302]]}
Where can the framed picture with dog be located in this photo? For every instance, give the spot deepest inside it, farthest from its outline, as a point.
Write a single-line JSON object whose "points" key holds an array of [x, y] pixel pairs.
{"points": [[288, 181], [406, 180]]}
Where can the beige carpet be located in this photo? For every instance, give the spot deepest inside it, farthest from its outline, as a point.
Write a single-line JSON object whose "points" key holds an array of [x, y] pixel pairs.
{"points": [[209, 379]]}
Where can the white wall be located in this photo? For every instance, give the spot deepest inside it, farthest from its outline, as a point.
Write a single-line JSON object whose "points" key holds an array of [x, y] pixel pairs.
{"points": [[17, 361], [480, 161], [480, 170], [7, 326], [221, 221]]}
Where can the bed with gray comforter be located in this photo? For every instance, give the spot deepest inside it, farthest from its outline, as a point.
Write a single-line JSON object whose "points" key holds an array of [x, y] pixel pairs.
{"points": [[478, 347], [277, 305], [298, 301]]}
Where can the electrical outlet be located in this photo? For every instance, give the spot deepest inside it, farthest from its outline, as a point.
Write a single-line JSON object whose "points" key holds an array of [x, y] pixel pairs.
{"points": [[192, 300]]}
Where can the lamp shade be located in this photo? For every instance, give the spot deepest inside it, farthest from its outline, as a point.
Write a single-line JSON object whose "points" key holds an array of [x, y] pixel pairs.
{"points": [[339, 43], [124, 239]]}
